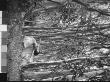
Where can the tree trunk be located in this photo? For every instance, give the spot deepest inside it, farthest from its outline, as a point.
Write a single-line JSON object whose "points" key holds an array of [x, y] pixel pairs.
{"points": [[14, 54]]}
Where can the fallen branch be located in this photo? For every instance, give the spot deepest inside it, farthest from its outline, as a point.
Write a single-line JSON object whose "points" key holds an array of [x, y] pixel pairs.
{"points": [[37, 64], [44, 75], [91, 9]]}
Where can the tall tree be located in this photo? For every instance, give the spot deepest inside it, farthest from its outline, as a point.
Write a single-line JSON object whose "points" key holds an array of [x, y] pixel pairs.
{"points": [[14, 41]]}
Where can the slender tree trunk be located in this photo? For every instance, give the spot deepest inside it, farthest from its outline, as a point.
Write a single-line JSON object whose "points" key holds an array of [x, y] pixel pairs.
{"points": [[14, 54]]}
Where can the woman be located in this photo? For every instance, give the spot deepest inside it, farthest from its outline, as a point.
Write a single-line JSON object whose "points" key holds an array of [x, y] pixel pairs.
{"points": [[31, 49]]}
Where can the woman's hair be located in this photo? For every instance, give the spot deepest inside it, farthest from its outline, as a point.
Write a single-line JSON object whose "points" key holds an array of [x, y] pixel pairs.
{"points": [[36, 52]]}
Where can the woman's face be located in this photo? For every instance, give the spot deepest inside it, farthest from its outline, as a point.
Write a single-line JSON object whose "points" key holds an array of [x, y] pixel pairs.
{"points": [[28, 41]]}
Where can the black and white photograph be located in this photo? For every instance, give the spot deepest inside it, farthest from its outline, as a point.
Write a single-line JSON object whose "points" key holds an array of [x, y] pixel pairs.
{"points": [[55, 40]]}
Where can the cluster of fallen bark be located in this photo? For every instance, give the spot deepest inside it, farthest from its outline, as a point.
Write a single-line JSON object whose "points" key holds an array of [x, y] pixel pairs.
{"points": [[33, 71], [49, 76]]}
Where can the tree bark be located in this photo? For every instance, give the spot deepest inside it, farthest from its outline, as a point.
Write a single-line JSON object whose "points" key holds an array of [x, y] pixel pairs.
{"points": [[14, 54]]}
